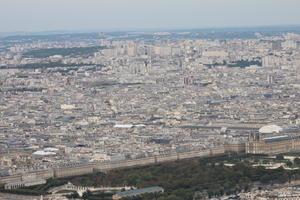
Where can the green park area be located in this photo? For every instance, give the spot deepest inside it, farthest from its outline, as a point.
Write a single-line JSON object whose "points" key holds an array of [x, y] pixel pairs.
{"points": [[74, 51], [182, 179]]}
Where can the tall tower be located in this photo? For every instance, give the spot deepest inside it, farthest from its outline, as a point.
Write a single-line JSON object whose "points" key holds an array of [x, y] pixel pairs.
{"points": [[101, 37]]}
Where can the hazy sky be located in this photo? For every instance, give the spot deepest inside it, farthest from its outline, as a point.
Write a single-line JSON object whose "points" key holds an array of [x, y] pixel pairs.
{"points": [[44, 15]]}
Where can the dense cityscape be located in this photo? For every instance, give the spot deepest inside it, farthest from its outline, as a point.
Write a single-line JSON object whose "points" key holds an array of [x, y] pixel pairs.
{"points": [[73, 99]]}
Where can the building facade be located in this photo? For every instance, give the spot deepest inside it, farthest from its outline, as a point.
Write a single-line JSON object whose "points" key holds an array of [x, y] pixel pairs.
{"points": [[272, 145]]}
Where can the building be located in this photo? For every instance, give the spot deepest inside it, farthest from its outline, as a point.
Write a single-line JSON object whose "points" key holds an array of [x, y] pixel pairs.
{"points": [[137, 192], [24, 183], [272, 145], [234, 148]]}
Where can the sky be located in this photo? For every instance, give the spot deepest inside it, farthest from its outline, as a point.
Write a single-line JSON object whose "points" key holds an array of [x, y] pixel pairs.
{"points": [[106, 15]]}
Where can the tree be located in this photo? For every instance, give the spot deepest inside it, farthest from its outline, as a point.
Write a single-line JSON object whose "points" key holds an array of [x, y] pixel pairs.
{"points": [[289, 164], [73, 195], [297, 161], [87, 194], [279, 157], [265, 178]]}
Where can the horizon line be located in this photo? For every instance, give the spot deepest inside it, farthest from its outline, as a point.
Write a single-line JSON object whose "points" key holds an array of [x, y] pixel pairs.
{"points": [[156, 29]]}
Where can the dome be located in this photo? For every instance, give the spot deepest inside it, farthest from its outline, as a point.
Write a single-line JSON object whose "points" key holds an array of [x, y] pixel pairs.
{"points": [[270, 129]]}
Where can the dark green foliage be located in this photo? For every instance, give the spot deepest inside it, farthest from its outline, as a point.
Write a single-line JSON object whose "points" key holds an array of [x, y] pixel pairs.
{"points": [[297, 161], [154, 196], [183, 179], [245, 63], [279, 157], [88, 195], [289, 164], [50, 183], [73, 195], [40, 189], [292, 153], [48, 66], [238, 63], [75, 51], [24, 191]]}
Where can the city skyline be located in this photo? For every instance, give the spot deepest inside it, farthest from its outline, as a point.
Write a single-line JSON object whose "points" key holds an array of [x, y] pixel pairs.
{"points": [[149, 100], [67, 15]]}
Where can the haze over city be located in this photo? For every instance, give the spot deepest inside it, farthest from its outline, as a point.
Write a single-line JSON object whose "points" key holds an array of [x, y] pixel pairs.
{"points": [[46, 15]]}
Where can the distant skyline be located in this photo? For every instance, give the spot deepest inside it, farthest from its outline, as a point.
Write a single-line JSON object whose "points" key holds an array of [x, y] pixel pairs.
{"points": [[108, 15]]}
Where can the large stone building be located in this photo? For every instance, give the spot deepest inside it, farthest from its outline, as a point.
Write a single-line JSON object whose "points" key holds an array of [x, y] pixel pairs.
{"points": [[271, 145]]}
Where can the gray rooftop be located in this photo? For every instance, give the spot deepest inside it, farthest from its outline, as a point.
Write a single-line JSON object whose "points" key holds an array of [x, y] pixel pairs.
{"points": [[140, 191]]}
